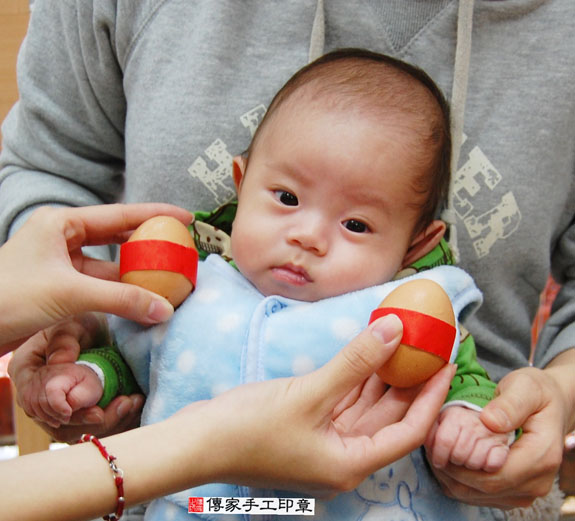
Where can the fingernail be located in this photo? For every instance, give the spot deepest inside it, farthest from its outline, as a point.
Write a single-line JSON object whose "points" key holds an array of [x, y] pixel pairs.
{"points": [[137, 403], [124, 408], [160, 311], [438, 465], [387, 328]]}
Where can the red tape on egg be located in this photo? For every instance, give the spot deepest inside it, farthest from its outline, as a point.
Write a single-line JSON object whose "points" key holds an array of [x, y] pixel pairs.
{"points": [[422, 331], [159, 255]]}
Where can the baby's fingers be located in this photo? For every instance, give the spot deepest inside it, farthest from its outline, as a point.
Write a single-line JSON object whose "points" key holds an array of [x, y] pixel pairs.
{"points": [[34, 402], [444, 442], [489, 454], [496, 458], [86, 393], [57, 406]]}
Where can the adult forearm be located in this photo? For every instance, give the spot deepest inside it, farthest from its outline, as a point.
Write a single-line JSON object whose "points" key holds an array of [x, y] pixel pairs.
{"points": [[76, 482]]}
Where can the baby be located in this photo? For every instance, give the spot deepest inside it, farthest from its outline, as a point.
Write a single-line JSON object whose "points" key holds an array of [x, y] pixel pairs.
{"points": [[337, 194]]}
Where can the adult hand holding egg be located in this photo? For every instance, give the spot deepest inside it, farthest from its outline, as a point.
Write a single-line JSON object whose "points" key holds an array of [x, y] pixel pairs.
{"points": [[48, 278], [428, 335]]}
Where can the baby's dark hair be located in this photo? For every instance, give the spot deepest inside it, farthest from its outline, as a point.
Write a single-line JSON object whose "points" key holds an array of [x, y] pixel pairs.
{"points": [[376, 85]]}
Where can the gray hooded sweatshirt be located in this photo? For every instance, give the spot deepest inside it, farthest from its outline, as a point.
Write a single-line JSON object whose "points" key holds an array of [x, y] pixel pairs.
{"points": [[149, 100]]}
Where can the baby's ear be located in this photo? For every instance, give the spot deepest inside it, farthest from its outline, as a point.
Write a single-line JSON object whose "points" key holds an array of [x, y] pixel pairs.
{"points": [[424, 242], [239, 170]]}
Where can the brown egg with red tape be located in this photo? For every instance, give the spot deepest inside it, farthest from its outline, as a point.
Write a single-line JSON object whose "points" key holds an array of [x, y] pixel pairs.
{"points": [[428, 332], [161, 256]]}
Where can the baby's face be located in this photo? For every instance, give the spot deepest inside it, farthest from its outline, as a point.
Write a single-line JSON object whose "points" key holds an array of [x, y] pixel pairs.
{"points": [[324, 207]]}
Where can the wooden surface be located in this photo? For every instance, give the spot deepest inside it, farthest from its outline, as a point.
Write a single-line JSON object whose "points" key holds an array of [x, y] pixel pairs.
{"points": [[14, 16], [29, 437], [13, 23]]}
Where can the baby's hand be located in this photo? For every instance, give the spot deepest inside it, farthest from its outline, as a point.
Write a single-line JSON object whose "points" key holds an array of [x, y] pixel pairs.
{"points": [[75, 387], [67, 388], [46, 355], [461, 438]]}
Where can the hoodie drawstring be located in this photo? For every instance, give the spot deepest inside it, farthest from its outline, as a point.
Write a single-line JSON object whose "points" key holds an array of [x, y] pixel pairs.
{"points": [[458, 97], [317, 39]]}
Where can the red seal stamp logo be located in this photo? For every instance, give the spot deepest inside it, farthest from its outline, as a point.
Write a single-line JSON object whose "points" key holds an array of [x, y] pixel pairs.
{"points": [[195, 505]]}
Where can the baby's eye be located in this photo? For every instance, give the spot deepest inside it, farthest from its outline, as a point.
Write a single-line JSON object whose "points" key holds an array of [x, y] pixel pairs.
{"points": [[286, 198], [356, 226]]}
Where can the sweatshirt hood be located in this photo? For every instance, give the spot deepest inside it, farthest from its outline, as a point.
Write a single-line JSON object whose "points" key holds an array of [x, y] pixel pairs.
{"points": [[458, 95]]}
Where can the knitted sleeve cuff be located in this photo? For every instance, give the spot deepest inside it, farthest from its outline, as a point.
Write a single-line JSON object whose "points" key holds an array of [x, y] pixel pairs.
{"points": [[118, 379]]}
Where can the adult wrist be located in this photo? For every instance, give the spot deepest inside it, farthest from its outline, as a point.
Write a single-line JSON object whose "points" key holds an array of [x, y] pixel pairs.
{"points": [[561, 369], [205, 448], [186, 457]]}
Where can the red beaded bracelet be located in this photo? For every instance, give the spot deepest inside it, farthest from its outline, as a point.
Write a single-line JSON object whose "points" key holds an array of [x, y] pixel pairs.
{"points": [[118, 476]]}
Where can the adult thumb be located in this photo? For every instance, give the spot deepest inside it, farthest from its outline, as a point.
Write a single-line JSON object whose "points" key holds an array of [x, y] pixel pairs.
{"points": [[362, 356], [516, 398]]}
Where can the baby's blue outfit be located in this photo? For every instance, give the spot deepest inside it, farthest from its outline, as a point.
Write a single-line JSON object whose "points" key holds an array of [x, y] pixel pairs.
{"points": [[227, 333]]}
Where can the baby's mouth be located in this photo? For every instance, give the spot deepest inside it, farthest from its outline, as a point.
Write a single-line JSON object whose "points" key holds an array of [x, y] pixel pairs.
{"points": [[292, 274]]}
